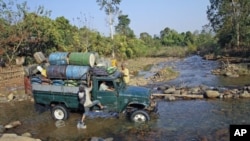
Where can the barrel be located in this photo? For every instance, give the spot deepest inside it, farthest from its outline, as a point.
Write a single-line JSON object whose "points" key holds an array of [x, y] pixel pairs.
{"points": [[58, 58], [39, 57], [56, 71], [77, 72], [82, 59]]}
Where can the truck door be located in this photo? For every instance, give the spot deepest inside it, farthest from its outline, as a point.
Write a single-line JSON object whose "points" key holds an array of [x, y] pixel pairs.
{"points": [[108, 98]]}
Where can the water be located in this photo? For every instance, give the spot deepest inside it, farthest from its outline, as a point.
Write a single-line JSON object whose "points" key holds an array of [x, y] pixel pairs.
{"points": [[195, 71], [202, 118], [179, 120], [187, 120]]}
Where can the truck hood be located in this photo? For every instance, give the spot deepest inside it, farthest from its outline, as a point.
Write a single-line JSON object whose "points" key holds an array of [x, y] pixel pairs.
{"points": [[136, 91]]}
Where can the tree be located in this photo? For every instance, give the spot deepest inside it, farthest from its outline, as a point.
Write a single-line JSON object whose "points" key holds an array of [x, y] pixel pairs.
{"points": [[230, 21], [112, 10], [123, 26], [170, 37]]}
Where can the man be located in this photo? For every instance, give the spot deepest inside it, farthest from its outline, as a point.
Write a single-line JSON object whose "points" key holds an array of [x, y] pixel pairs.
{"points": [[88, 103], [125, 73], [82, 99], [104, 87]]}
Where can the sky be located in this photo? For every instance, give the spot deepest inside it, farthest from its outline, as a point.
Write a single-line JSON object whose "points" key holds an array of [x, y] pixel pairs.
{"points": [[149, 16]]}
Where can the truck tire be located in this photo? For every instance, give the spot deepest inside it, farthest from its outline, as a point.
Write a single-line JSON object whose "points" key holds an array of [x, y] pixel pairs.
{"points": [[139, 116], [60, 112]]}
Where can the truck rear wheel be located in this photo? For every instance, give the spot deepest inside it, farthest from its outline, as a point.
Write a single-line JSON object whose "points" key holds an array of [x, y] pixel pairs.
{"points": [[60, 112], [139, 116]]}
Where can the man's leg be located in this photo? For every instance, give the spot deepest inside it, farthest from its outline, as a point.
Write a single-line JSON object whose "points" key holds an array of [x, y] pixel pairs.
{"points": [[83, 117], [97, 102]]}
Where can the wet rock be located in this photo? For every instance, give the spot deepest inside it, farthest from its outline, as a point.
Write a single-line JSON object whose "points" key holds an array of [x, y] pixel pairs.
{"points": [[236, 96], [245, 94], [230, 74], [170, 91], [227, 92], [177, 92], [170, 98], [12, 124], [212, 94], [26, 134], [14, 137], [11, 96], [227, 96], [195, 90], [184, 92]]}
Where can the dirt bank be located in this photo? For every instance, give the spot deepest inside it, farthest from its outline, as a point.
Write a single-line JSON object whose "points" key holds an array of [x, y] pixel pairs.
{"points": [[138, 64]]}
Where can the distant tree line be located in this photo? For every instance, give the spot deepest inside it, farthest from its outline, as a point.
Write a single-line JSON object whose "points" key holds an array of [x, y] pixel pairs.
{"points": [[24, 32]]}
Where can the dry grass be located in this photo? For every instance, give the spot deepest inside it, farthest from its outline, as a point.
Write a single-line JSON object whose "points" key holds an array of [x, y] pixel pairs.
{"points": [[135, 65]]}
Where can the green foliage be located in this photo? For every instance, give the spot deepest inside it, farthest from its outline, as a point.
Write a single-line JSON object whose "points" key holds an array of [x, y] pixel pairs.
{"points": [[123, 26], [24, 32], [230, 21]]}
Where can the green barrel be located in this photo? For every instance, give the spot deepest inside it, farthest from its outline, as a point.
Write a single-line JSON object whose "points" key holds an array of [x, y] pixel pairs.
{"points": [[82, 59]]}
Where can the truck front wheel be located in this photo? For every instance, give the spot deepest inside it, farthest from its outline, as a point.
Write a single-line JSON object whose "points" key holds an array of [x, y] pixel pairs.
{"points": [[59, 112], [139, 116]]}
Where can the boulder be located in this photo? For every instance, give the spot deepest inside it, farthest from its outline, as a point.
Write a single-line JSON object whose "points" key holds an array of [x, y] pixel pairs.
{"points": [[170, 98], [14, 137], [12, 124], [11, 96], [212, 94], [169, 91], [245, 94]]}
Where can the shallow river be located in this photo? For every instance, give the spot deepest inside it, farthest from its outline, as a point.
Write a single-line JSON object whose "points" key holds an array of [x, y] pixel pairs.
{"points": [[187, 120]]}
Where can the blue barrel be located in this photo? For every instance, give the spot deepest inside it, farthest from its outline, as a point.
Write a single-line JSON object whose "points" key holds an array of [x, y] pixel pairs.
{"points": [[55, 71], [77, 72], [58, 58]]}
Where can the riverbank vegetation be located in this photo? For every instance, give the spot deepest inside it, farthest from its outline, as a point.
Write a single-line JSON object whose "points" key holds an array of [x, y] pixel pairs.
{"points": [[24, 32]]}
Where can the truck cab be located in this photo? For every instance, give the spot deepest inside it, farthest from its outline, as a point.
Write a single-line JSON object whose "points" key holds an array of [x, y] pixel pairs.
{"points": [[133, 100]]}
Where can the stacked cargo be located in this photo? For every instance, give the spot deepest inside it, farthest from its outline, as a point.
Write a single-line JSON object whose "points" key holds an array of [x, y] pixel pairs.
{"points": [[68, 69]]}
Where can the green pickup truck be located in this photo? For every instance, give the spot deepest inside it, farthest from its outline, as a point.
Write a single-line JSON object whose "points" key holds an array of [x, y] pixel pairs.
{"points": [[136, 102]]}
